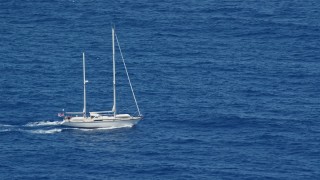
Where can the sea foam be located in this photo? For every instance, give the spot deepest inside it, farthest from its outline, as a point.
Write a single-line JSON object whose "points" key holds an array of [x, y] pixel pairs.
{"points": [[44, 123], [45, 131]]}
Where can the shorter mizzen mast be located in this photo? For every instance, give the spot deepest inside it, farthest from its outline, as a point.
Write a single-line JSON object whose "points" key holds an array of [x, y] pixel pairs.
{"points": [[114, 108], [84, 86]]}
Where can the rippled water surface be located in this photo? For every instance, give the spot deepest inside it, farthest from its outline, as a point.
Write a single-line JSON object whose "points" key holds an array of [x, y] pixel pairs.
{"points": [[229, 89]]}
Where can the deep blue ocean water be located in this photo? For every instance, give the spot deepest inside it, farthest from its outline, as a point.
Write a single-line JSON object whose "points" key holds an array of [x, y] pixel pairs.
{"points": [[229, 89]]}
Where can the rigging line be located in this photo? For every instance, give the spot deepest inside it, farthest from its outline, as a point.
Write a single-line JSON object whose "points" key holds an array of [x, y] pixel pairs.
{"points": [[125, 67]]}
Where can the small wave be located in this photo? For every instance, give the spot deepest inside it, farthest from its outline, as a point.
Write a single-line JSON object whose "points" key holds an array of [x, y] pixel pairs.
{"points": [[5, 130], [45, 131], [44, 123], [5, 125]]}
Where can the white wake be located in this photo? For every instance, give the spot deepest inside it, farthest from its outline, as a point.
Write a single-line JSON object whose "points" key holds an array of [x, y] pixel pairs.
{"points": [[49, 127], [43, 123], [45, 131]]}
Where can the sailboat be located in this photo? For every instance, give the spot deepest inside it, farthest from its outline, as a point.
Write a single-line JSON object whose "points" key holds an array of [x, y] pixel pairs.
{"points": [[102, 119]]}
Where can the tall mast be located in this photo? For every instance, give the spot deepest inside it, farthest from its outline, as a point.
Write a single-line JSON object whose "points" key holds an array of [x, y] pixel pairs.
{"points": [[84, 86], [114, 109]]}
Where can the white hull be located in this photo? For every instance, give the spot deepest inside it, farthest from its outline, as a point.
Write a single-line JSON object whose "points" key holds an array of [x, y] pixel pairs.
{"points": [[107, 123]]}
